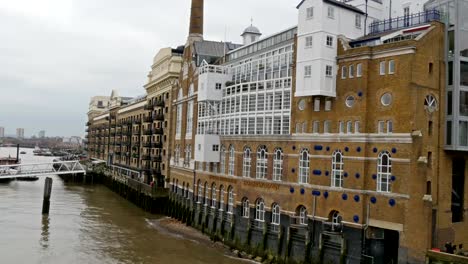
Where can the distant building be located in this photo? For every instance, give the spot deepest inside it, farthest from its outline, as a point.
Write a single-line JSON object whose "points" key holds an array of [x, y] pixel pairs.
{"points": [[20, 132], [41, 134], [2, 132]]}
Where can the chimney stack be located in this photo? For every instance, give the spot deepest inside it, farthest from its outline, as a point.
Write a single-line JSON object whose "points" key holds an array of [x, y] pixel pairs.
{"points": [[196, 21]]}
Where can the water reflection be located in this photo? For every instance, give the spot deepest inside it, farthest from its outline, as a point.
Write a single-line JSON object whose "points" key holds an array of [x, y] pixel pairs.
{"points": [[45, 232]]}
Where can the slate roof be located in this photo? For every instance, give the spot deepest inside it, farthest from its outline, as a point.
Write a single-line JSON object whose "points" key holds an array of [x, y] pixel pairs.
{"points": [[214, 48], [340, 4]]}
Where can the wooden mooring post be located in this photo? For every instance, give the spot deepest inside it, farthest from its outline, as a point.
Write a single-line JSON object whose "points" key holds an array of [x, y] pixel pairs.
{"points": [[47, 193]]}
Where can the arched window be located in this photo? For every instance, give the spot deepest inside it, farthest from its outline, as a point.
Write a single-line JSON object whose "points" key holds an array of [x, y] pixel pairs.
{"points": [[207, 193], [230, 208], [278, 165], [188, 155], [304, 164], [222, 160], [260, 210], [335, 218], [245, 208], [246, 164], [232, 160], [301, 212], [200, 192], [221, 197], [384, 172], [430, 103], [337, 169], [275, 214], [177, 155], [187, 191], [213, 195], [261, 162]]}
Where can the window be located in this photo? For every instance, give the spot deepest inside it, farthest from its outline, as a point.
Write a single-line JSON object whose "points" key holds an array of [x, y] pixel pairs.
{"points": [[382, 68], [357, 127], [310, 12], [221, 198], [350, 101], [389, 127], [304, 167], [381, 127], [358, 22], [230, 208], [189, 117], [206, 194], [188, 155], [218, 86], [328, 71], [245, 208], [337, 169], [326, 126], [246, 163], [316, 127], [351, 71], [213, 196], [262, 162], [430, 103], [341, 124], [215, 147], [200, 192], [386, 99], [232, 160], [349, 127], [302, 215], [260, 210], [331, 12], [329, 41], [406, 14], [275, 214], [222, 160], [309, 42], [317, 104], [179, 120], [391, 67], [343, 72], [278, 165], [307, 71], [177, 155], [384, 172], [359, 70], [328, 104]]}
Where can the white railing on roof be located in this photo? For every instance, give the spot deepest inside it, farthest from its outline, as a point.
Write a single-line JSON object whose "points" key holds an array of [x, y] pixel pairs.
{"points": [[214, 69]]}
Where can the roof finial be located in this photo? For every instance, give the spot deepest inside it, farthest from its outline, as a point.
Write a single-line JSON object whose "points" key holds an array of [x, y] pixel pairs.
{"points": [[251, 21]]}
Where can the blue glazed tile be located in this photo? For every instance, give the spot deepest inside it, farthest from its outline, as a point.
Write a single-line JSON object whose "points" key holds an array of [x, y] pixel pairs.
{"points": [[374, 176], [392, 202], [325, 194], [373, 200], [294, 147], [345, 175], [360, 93], [328, 148], [356, 198], [393, 178], [293, 170], [315, 193], [375, 150], [317, 172], [344, 196], [302, 191], [291, 190], [318, 147], [327, 173], [394, 150], [357, 175], [346, 149], [358, 149], [356, 219]]}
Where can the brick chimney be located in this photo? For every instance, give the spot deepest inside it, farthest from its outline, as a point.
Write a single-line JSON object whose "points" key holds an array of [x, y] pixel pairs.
{"points": [[196, 21]]}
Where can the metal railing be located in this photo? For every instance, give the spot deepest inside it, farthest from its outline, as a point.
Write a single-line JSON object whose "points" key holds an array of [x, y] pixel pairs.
{"points": [[41, 169], [404, 21]]}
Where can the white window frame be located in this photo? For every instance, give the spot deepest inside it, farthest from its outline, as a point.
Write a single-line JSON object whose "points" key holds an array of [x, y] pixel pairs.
{"points": [[232, 161], [391, 67], [341, 127], [358, 21], [357, 127], [276, 215], [247, 162], [221, 198], [262, 163], [260, 211], [309, 42], [303, 216], [351, 71], [328, 71], [278, 165], [359, 70], [200, 192], [389, 127], [344, 70], [222, 160], [304, 166], [331, 12], [381, 127], [230, 208], [218, 86], [245, 208], [310, 12], [328, 104], [327, 127], [384, 172], [329, 41], [337, 169], [213, 196], [382, 67], [316, 127], [349, 127], [307, 71], [317, 104]]}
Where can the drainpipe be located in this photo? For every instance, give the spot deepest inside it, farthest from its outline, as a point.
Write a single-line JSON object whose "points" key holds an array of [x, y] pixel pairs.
{"points": [[365, 19], [313, 219], [17, 153]]}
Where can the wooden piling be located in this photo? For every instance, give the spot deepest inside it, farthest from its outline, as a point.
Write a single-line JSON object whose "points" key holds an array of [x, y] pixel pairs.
{"points": [[47, 193]]}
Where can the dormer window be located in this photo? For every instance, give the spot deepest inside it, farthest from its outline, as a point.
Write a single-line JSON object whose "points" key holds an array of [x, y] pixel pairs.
{"points": [[331, 12]]}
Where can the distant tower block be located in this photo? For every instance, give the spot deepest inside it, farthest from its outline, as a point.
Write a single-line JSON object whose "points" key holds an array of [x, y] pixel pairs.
{"points": [[251, 34]]}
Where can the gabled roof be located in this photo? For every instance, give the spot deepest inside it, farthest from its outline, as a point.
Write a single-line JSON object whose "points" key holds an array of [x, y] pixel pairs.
{"points": [[339, 4]]}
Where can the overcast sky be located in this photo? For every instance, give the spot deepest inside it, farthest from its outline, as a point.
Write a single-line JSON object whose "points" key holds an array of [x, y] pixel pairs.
{"points": [[56, 54]]}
